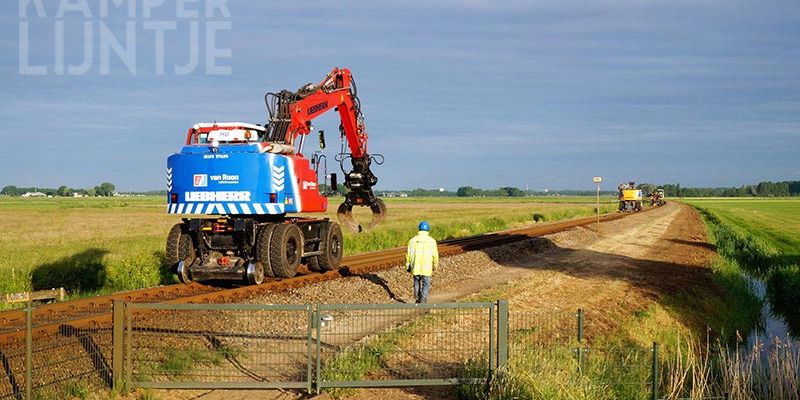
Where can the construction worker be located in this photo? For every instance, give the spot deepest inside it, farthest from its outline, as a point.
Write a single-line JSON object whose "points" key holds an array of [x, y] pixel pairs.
{"points": [[422, 259]]}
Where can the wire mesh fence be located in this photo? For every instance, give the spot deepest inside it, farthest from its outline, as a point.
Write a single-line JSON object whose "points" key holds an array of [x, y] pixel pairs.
{"points": [[13, 358], [314, 347], [401, 345], [538, 333], [62, 359], [207, 346]]}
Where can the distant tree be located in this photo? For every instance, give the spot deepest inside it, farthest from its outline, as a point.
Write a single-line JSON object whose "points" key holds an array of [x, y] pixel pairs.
{"points": [[105, 189], [466, 191], [765, 189], [64, 191], [419, 192], [91, 192], [647, 188], [511, 192], [794, 188], [10, 190], [671, 190]]}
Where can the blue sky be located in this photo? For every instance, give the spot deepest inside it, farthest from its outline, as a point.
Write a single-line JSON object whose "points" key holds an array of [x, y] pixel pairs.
{"points": [[545, 94]]}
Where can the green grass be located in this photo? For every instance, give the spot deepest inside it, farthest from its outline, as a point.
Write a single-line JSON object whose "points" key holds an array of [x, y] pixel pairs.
{"points": [[762, 237], [554, 372], [178, 362], [98, 245], [774, 221]]}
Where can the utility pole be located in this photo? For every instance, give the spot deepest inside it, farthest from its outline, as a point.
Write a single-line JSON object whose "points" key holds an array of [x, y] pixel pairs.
{"points": [[597, 180]]}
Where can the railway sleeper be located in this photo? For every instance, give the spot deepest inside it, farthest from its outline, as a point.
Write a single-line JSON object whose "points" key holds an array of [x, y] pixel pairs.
{"points": [[246, 249]]}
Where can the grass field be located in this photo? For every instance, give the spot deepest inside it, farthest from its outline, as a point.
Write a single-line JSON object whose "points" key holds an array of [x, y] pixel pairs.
{"points": [[98, 245], [775, 221], [762, 237]]}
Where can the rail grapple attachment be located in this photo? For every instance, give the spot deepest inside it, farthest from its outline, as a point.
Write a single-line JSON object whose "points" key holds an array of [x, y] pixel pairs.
{"points": [[345, 215], [360, 182]]}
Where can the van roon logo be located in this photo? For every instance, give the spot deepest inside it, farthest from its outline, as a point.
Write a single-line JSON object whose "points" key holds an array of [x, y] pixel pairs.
{"points": [[200, 180]]}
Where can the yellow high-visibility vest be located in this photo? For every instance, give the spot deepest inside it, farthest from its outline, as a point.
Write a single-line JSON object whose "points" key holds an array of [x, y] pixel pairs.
{"points": [[423, 254]]}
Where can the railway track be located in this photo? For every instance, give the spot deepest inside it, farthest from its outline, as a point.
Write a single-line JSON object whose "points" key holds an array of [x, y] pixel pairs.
{"points": [[95, 312]]}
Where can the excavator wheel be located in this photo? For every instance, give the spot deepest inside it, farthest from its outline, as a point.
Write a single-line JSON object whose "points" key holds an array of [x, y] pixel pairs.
{"points": [[285, 250], [263, 240], [331, 248], [180, 251]]}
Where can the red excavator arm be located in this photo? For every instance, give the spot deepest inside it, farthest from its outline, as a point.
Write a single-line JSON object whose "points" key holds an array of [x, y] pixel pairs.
{"points": [[290, 115]]}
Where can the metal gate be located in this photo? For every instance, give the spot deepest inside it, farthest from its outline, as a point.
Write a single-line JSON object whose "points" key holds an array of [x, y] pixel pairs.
{"points": [[192, 346], [253, 346]]}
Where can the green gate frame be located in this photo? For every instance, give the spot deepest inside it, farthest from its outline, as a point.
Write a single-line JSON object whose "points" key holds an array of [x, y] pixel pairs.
{"points": [[492, 342], [123, 322], [122, 344]]}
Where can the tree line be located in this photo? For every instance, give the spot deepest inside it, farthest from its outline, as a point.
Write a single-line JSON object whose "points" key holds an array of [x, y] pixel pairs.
{"points": [[762, 189], [105, 189]]}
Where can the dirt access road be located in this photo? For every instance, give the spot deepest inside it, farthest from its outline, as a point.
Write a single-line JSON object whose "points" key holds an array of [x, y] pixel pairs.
{"points": [[629, 265]]}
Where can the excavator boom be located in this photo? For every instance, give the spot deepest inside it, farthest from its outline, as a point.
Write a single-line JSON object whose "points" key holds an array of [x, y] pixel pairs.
{"points": [[291, 114]]}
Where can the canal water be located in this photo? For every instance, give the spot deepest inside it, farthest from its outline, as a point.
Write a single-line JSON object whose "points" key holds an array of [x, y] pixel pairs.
{"points": [[771, 326]]}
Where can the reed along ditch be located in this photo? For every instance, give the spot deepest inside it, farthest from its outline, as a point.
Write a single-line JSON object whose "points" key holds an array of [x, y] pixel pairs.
{"points": [[774, 278]]}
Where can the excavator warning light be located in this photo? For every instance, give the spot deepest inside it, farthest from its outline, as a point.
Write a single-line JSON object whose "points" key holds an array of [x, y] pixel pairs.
{"points": [[173, 198], [273, 197]]}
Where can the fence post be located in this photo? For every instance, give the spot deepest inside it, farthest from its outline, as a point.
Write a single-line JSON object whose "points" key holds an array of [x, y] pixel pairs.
{"points": [[580, 340], [29, 351], [319, 344], [502, 333], [492, 343], [117, 346], [127, 314], [310, 345], [654, 390]]}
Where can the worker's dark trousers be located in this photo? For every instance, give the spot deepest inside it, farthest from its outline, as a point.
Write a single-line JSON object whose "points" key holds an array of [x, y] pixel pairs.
{"points": [[422, 286]]}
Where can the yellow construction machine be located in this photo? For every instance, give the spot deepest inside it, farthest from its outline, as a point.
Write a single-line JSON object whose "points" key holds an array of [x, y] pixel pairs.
{"points": [[630, 198]]}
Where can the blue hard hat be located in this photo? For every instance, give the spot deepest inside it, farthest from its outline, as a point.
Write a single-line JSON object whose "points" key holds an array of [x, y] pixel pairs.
{"points": [[423, 226]]}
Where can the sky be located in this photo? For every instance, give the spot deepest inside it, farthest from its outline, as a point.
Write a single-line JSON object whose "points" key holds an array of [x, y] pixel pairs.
{"points": [[537, 94]]}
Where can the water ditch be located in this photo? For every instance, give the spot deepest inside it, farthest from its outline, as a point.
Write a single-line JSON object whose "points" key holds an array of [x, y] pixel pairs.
{"points": [[772, 325]]}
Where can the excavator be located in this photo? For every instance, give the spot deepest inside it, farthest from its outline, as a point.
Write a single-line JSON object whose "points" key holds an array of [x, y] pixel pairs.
{"points": [[237, 183], [630, 198]]}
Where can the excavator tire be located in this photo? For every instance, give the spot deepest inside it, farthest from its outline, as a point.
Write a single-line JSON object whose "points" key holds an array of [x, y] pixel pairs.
{"points": [[179, 245], [263, 241], [331, 248], [285, 250]]}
